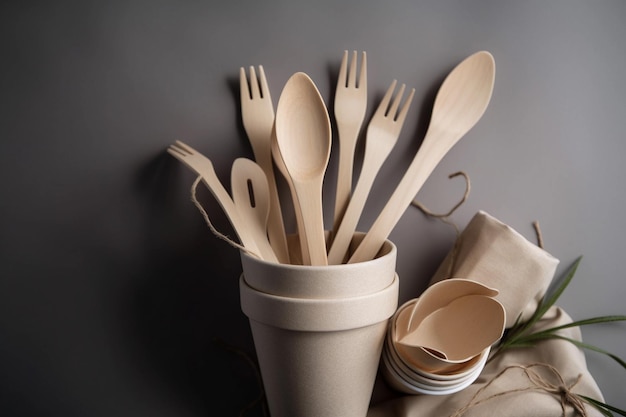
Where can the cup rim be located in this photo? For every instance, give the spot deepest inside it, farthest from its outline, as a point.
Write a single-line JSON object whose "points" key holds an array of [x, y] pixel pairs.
{"points": [[314, 314], [388, 248], [321, 281]]}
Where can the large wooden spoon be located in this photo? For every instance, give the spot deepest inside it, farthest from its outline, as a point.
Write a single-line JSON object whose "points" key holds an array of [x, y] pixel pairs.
{"points": [[460, 103], [303, 135]]}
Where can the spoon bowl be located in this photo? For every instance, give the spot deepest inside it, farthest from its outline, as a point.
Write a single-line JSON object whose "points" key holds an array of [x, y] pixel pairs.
{"points": [[303, 136]]}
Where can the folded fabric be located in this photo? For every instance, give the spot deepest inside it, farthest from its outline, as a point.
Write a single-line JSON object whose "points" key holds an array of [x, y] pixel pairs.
{"points": [[494, 254], [537, 381]]}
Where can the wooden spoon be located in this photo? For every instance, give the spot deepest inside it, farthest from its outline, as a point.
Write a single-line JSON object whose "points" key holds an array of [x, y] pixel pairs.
{"points": [[251, 195], [303, 136], [298, 255], [460, 103]]}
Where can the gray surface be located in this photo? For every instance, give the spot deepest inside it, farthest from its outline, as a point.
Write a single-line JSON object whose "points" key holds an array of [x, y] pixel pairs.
{"points": [[112, 290]]}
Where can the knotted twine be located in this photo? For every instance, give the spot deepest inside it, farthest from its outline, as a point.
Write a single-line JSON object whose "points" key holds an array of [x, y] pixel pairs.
{"points": [[538, 383]]}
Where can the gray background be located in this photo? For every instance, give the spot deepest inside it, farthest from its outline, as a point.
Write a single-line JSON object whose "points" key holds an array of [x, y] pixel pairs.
{"points": [[115, 298]]}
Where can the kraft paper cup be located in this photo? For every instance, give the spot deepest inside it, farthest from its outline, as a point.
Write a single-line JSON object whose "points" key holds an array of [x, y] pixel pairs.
{"points": [[318, 357], [332, 281]]}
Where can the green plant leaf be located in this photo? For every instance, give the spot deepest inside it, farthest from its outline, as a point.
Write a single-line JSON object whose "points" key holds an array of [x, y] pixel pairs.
{"points": [[589, 347], [511, 337], [516, 336], [602, 406], [585, 322], [553, 295], [519, 343]]}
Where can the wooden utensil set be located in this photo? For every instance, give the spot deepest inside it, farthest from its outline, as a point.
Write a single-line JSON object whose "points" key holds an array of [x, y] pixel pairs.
{"points": [[296, 139]]}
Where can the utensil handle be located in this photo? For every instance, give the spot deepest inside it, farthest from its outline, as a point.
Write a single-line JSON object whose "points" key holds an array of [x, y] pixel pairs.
{"points": [[341, 240], [423, 164], [213, 183], [309, 196], [347, 146], [275, 223]]}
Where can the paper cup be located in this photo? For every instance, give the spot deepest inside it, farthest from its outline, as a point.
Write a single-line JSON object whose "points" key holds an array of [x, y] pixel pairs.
{"points": [[318, 357], [323, 282]]}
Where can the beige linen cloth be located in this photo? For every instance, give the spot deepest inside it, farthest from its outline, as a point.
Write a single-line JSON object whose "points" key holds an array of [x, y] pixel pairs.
{"points": [[535, 381]]}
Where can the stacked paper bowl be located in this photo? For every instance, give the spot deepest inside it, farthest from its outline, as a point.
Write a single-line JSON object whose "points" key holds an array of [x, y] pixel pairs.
{"points": [[415, 368]]}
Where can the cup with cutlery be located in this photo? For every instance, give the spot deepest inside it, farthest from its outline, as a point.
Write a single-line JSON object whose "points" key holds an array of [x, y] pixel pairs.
{"points": [[319, 300]]}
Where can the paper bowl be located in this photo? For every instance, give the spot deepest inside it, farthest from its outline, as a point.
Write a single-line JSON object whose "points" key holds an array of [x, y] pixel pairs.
{"points": [[401, 383], [476, 362], [407, 377], [432, 380], [469, 338]]}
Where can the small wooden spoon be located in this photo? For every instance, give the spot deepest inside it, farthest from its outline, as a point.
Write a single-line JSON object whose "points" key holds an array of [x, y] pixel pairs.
{"points": [[460, 103], [303, 135], [251, 195]]}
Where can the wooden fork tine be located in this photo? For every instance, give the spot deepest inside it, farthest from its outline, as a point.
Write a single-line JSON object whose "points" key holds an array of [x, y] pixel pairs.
{"points": [[178, 149], [343, 70], [254, 85], [352, 75], [384, 103], [183, 147], [265, 89], [243, 85], [175, 152], [396, 103], [405, 108], [363, 73]]}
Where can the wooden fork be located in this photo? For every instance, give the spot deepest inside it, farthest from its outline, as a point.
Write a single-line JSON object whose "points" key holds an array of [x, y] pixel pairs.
{"points": [[203, 166], [257, 112], [350, 106], [382, 134]]}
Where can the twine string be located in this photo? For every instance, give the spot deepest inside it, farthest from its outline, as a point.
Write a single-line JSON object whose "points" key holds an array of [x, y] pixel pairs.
{"points": [[538, 233], [455, 207], [216, 232], [444, 217], [538, 383]]}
